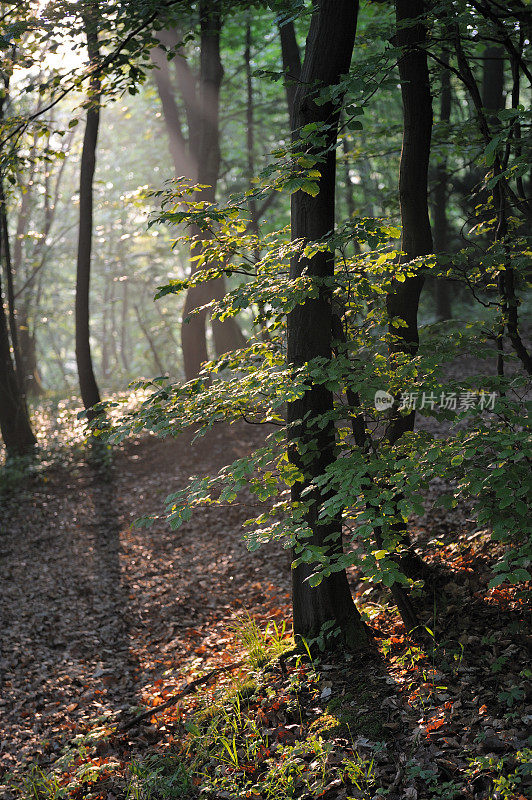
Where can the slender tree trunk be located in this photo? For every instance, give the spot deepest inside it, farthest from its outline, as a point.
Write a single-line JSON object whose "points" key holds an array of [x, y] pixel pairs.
{"points": [[112, 321], [123, 326], [87, 382], [105, 367], [250, 132], [403, 300], [327, 57], [441, 190]]}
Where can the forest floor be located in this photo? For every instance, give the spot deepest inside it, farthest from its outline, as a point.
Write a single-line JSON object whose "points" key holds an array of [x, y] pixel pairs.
{"points": [[100, 619]]}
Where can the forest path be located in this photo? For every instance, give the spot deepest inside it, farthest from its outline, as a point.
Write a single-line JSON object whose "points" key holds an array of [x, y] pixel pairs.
{"points": [[93, 611]]}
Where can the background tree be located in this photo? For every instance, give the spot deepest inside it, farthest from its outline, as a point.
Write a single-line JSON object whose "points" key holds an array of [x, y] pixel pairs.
{"points": [[89, 388]]}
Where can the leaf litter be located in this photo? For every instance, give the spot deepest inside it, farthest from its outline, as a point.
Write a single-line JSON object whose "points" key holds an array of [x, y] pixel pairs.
{"points": [[102, 620]]}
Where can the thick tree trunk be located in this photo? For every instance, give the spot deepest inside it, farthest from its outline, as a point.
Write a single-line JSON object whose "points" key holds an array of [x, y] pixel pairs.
{"points": [[327, 57], [493, 79], [87, 382], [403, 300], [441, 191], [14, 420], [10, 283]]}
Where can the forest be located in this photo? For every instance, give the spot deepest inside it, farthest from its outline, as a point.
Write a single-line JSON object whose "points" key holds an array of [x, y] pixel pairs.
{"points": [[265, 383]]}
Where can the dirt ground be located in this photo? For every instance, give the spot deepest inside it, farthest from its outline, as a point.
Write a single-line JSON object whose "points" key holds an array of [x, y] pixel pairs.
{"points": [[93, 610]]}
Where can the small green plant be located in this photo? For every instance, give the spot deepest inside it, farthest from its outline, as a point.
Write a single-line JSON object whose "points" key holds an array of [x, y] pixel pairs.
{"points": [[37, 785], [513, 695], [158, 777], [511, 775], [261, 645], [360, 772]]}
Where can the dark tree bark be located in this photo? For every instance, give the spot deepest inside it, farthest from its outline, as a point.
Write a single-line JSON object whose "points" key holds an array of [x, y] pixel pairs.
{"points": [[87, 382], [403, 300], [12, 314], [493, 79], [291, 60], [14, 420], [441, 193], [327, 57]]}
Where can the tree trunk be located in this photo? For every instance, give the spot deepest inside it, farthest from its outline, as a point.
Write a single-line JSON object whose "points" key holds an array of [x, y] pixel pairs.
{"points": [[441, 190], [176, 140], [31, 379], [14, 420], [493, 79], [327, 57], [123, 326], [227, 334], [87, 382], [13, 327], [28, 352], [106, 329], [291, 61], [403, 300]]}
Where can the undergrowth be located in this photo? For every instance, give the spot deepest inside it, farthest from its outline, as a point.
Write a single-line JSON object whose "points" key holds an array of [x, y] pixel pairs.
{"points": [[290, 725]]}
